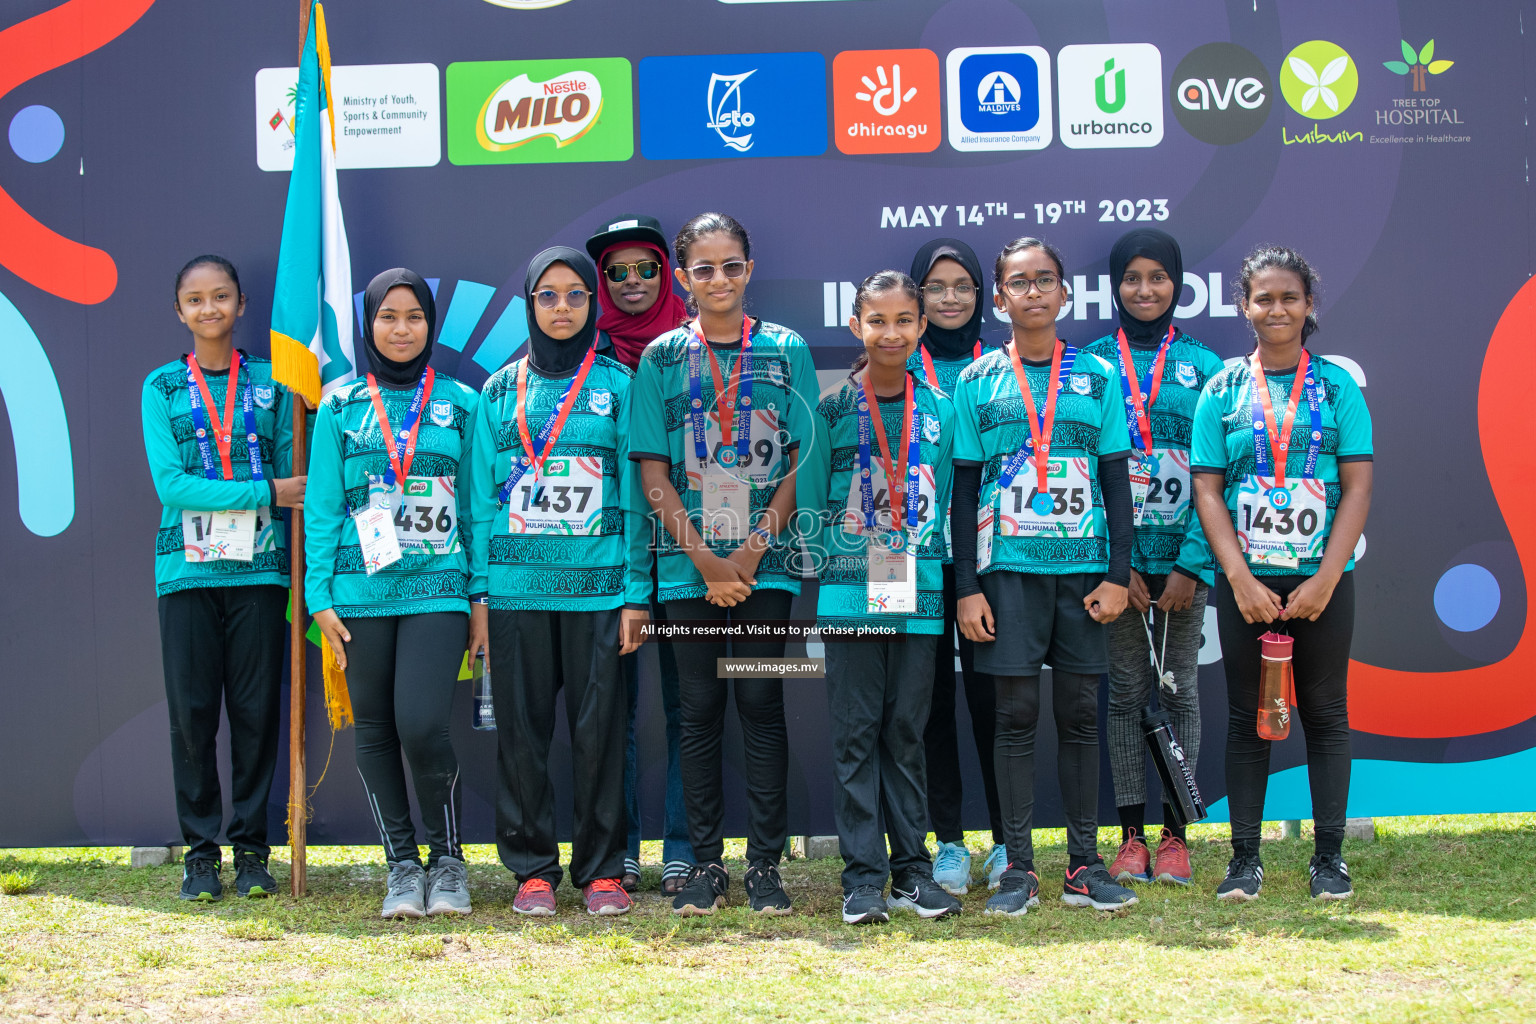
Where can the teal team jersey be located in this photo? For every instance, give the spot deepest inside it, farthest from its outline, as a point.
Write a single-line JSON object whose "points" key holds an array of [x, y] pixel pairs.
{"points": [[784, 397], [559, 571], [830, 471], [1186, 368], [1223, 437], [947, 372], [177, 468], [349, 447], [991, 424]]}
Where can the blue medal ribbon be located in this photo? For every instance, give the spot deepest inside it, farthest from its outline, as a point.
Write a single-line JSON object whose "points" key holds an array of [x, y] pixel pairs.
{"points": [[914, 463], [1042, 502], [202, 428], [1261, 453], [698, 418]]}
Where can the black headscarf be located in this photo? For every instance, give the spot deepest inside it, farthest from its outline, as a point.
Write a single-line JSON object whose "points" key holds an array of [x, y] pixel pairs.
{"points": [[948, 342], [400, 375], [548, 356], [1154, 245]]}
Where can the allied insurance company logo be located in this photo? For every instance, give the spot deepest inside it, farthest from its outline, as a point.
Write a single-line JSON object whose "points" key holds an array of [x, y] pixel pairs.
{"points": [[1221, 93], [1111, 95], [999, 98], [729, 105], [540, 111], [886, 101]]}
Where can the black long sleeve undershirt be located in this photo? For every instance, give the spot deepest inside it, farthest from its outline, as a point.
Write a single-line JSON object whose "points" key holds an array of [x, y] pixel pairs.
{"points": [[1114, 483]]}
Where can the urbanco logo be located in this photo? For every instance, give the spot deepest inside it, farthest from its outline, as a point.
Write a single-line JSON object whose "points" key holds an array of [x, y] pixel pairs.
{"points": [[999, 98], [885, 101], [1110, 95], [1319, 79], [733, 105], [1221, 93], [1418, 63], [540, 111]]}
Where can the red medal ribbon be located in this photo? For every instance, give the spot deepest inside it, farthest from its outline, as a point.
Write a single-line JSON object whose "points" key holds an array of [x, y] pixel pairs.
{"points": [[933, 377], [725, 398], [402, 469], [1040, 428], [1140, 406], [221, 430], [566, 405], [896, 476], [1279, 440]]}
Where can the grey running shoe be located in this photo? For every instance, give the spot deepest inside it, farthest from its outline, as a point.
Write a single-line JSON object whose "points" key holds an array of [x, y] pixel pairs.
{"points": [[407, 893], [448, 887], [1091, 886], [1017, 891], [1330, 877]]}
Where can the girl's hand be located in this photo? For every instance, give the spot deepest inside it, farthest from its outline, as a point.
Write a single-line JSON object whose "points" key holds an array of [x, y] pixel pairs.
{"points": [[1309, 600], [1178, 593], [1256, 601], [1139, 596], [290, 491], [631, 621], [974, 617], [335, 632], [479, 630], [746, 561], [727, 584], [1107, 601]]}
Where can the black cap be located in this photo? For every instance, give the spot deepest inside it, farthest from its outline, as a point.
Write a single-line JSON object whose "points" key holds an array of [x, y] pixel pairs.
{"points": [[627, 228]]}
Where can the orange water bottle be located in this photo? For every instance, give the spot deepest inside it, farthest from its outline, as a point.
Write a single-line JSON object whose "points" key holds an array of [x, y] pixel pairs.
{"points": [[1277, 687]]}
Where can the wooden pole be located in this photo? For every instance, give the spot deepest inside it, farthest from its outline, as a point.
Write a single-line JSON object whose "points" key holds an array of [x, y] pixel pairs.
{"points": [[298, 777]]}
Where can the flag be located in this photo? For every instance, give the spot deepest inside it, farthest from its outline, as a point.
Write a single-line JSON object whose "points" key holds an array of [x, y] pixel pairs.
{"points": [[312, 300]]}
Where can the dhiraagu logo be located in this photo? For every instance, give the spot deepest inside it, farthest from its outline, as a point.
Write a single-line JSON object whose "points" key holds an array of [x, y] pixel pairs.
{"points": [[1319, 79], [540, 111]]}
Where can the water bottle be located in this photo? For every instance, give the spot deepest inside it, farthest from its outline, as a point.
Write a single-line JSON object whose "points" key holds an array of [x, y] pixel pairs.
{"points": [[1180, 790], [1277, 687], [483, 711]]}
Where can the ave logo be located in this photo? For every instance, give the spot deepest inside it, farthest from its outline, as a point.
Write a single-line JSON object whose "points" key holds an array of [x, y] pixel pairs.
{"points": [[540, 111], [886, 101], [1111, 95], [1221, 93]]}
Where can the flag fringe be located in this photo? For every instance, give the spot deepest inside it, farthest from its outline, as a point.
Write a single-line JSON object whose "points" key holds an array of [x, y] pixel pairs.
{"points": [[338, 699], [296, 368]]}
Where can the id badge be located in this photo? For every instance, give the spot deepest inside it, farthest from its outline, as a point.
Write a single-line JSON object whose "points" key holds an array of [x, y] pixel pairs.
{"points": [[567, 498], [226, 535], [1141, 481], [1169, 494], [986, 526], [1063, 510], [853, 509], [425, 513], [1280, 526], [892, 574], [376, 536], [727, 506]]}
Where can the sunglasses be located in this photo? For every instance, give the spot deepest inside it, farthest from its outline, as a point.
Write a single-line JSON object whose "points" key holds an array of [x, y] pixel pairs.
{"points": [[706, 271], [617, 272], [549, 298]]}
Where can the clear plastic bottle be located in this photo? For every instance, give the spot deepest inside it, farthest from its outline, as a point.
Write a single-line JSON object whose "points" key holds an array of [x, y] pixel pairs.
{"points": [[1277, 687], [483, 709]]}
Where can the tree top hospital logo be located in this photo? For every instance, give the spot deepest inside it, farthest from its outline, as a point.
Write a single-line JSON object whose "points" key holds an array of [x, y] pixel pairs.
{"points": [[1418, 63], [733, 105], [885, 101], [1110, 95], [540, 111], [1319, 79], [1221, 93], [999, 98]]}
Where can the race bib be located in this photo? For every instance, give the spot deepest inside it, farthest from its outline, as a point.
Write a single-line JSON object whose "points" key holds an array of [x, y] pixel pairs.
{"points": [[1168, 492], [1140, 473], [425, 513], [760, 466], [892, 575], [376, 536], [986, 526], [1279, 526], [1065, 509], [853, 512], [567, 498], [726, 506], [232, 535]]}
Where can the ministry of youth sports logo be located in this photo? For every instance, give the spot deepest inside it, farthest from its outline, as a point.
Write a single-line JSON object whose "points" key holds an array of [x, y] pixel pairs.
{"points": [[726, 117]]}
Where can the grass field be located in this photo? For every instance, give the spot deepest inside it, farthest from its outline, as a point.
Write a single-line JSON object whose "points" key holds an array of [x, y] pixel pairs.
{"points": [[1441, 928]]}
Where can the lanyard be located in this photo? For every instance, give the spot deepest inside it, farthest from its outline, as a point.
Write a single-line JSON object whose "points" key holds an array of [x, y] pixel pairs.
{"points": [[201, 401], [901, 479], [933, 377], [1136, 408], [725, 399], [534, 448], [401, 447], [1280, 440], [1040, 425]]}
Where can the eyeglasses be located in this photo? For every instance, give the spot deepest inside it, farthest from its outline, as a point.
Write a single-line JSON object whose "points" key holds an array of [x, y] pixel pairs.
{"points": [[935, 292], [617, 272], [706, 271], [1043, 283], [574, 299]]}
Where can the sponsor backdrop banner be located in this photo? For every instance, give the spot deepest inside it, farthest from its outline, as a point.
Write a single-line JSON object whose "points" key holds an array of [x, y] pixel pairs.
{"points": [[1386, 140]]}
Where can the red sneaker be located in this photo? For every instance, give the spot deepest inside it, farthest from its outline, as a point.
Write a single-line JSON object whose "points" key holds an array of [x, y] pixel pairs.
{"points": [[536, 898], [606, 897], [1173, 860], [1133, 862]]}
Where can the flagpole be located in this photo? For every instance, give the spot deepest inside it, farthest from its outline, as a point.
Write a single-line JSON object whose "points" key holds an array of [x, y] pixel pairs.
{"points": [[298, 779]]}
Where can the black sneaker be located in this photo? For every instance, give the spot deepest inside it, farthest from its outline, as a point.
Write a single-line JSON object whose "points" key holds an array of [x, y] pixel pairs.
{"points": [[765, 890], [922, 896], [1245, 877], [864, 904], [200, 880], [252, 877], [1330, 877], [1017, 891], [1091, 886], [703, 892]]}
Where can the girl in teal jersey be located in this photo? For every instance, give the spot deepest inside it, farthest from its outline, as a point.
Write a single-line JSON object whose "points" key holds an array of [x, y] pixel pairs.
{"points": [[387, 580], [1282, 456], [876, 481], [721, 407], [561, 550], [218, 434]]}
